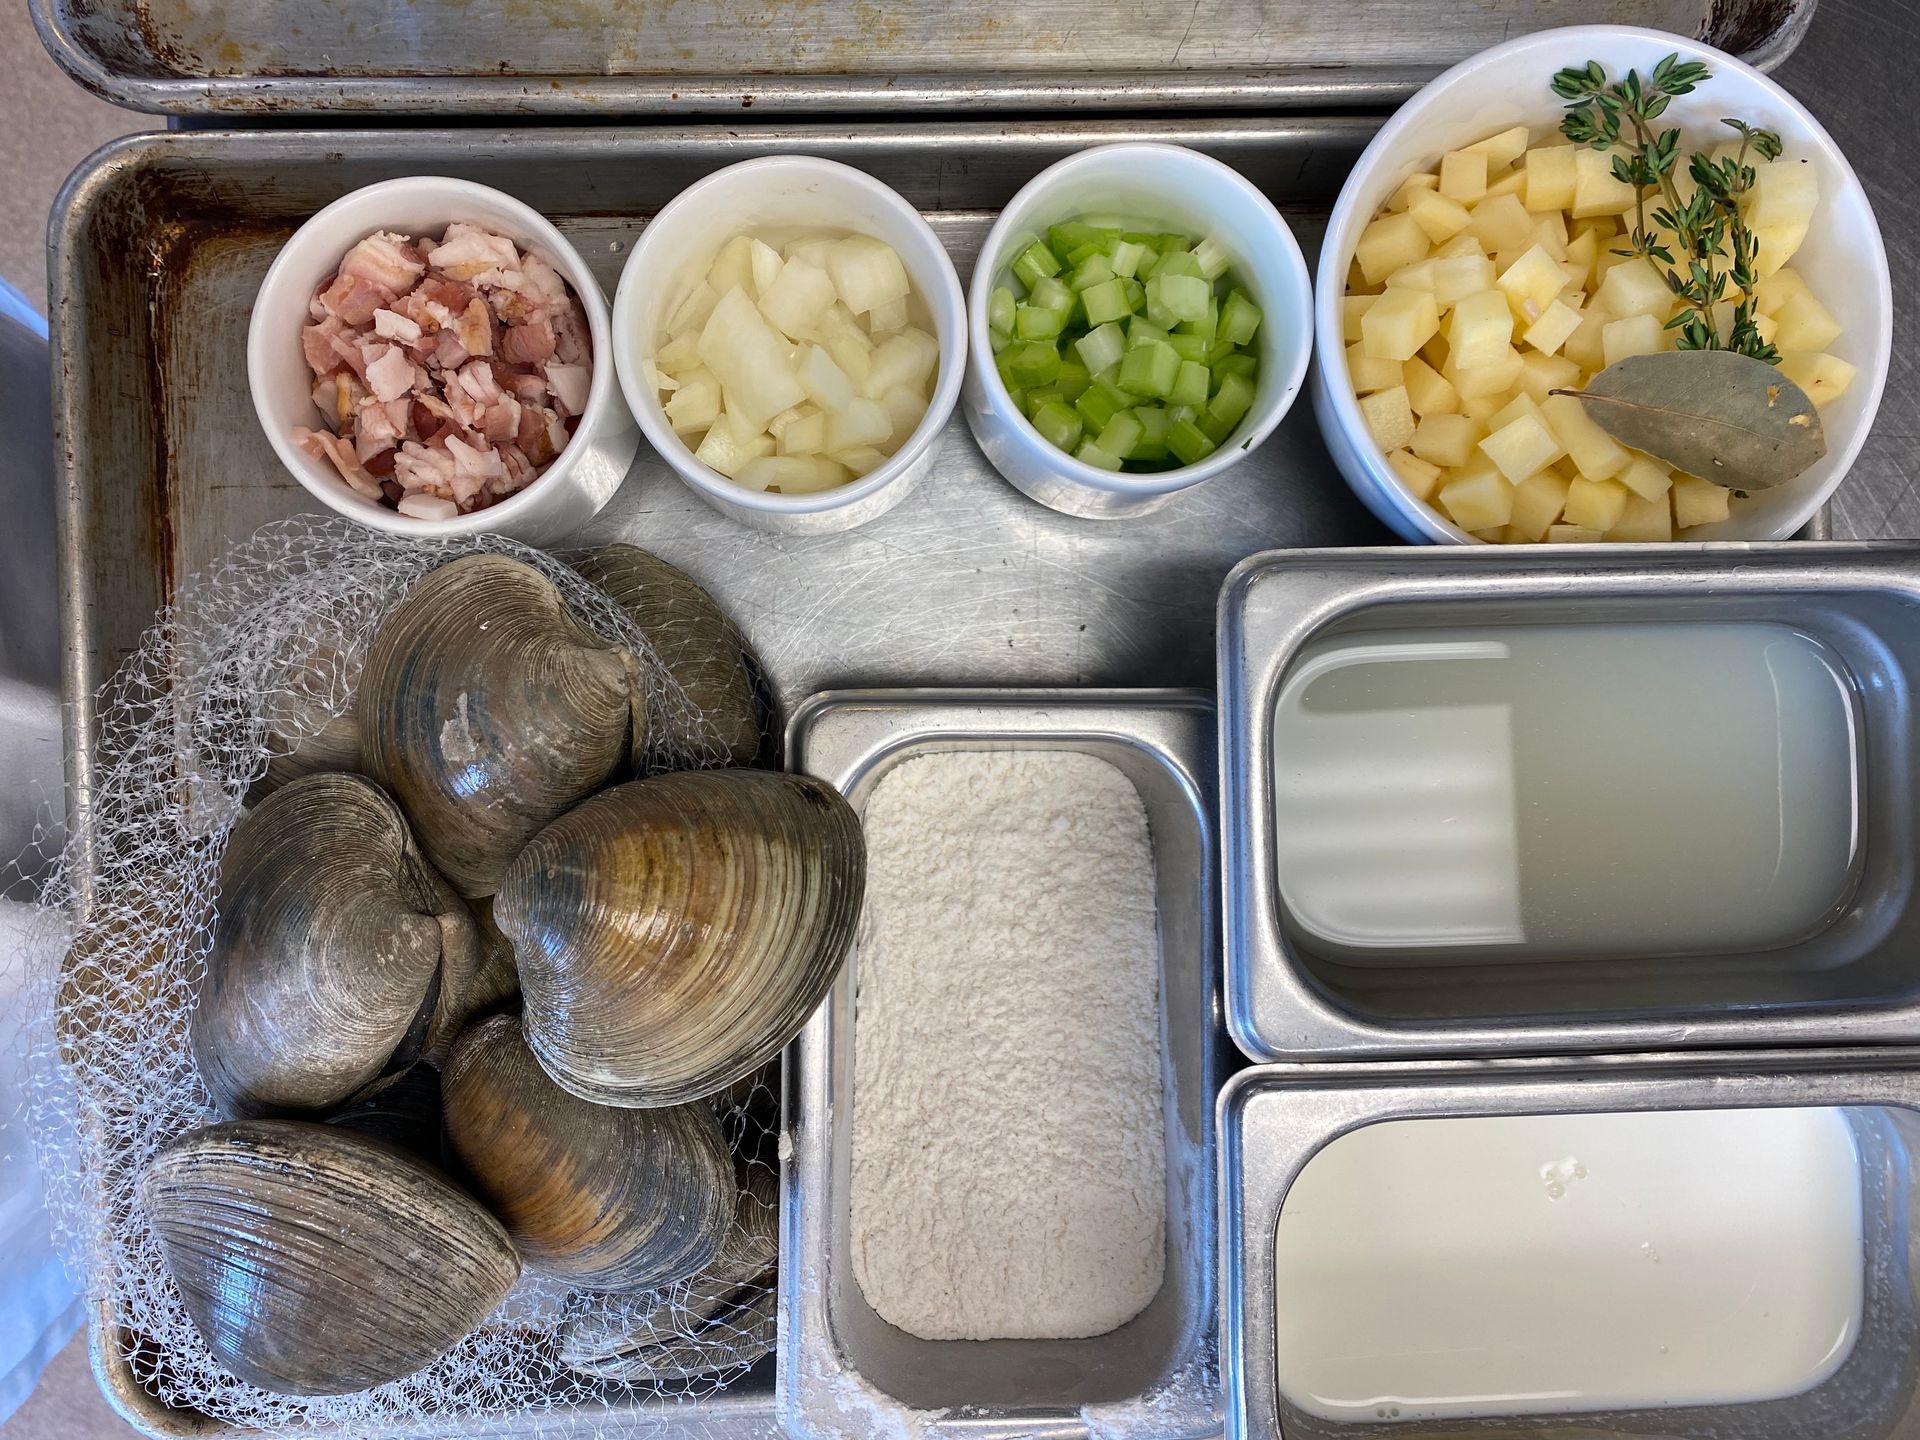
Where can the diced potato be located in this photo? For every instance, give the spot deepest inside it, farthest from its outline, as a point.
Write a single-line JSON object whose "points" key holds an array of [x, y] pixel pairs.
{"points": [[1595, 191], [1496, 535], [1463, 175], [866, 272], [805, 436], [1550, 234], [1411, 189], [1699, 502], [1775, 290], [680, 354], [1440, 217], [1501, 223], [1434, 352], [1388, 244], [1417, 276], [1634, 290], [692, 311], [1503, 147], [1825, 378], [844, 340], [733, 267], [905, 407], [1587, 345], [1804, 324], [750, 359], [1646, 522], [826, 384], [1427, 389], [1416, 474], [1477, 502], [1515, 406], [1582, 249], [1522, 447], [810, 248], [1445, 440], [1646, 477], [1550, 331], [1767, 328], [1370, 373], [861, 459], [766, 264], [1513, 183], [1537, 503], [1542, 373], [1399, 324], [863, 422], [1482, 408], [1455, 277], [1603, 227], [1352, 308], [1775, 246], [1480, 330], [1460, 245], [1780, 207], [1550, 172], [1389, 418], [1635, 335], [799, 294], [696, 404], [1595, 453], [792, 474], [1596, 504], [1572, 535], [1494, 378], [906, 357], [1532, 283], [725, 450]]}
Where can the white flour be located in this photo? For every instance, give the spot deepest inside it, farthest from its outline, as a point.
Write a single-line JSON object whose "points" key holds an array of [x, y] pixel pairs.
{"points": [[1009, 1166]]}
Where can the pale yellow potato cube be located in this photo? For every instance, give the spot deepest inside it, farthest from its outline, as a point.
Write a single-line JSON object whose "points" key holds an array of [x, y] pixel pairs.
{"points": [[1482, 408], [1516, 405], [1446, 440], [1785, 192], [1767, 328], [1541, 374], [1699, 502], [1513, 183], [1532, 283], [1463, 175], [1646, 477], [1587, 346], [1399, 323], [1595, 453], [1537, 503], [1603, 227], [1497, 377], [1388, 244], [1477, 502], [1634, 290], [1805, 324], [1389, 418], [1550, 331], [1550, 172], [1522, 447], [1480, 330], [1595, 191], [1608, 260], [1411, 189], [1460, 245], [1442, 218], [1497, 535], [1550, 232], [1434, 352], [1573, 535], [1369, 373], [1776, 289], [1428, 391], [1825, 378], [1352, 307], [1775, 245], [1596, 504], [1416, 474], [1503, 147], [1501, 222], [1357, 282], [1582, 250], [1646, 522], [1457, 276], [1417, 276], [1635, 335]]}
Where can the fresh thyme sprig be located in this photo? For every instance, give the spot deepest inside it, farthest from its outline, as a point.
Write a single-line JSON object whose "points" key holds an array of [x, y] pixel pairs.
{"points": [[1704, 224]]}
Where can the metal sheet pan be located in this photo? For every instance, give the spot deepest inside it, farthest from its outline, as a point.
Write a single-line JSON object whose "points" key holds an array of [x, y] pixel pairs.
{"points": [[688, 57]]}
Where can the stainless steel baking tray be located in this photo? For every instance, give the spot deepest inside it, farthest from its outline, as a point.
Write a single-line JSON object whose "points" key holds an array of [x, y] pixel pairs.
{"points": [[844, 1371], [606, 57], [1274, 1119], [1854, 981]]}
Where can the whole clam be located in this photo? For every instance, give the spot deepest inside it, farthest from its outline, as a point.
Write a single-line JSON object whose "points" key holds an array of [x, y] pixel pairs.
{"points": [[675, 933], [487, 710], [697, 645], [339, 957], [610, 1199], [316, 1261]]}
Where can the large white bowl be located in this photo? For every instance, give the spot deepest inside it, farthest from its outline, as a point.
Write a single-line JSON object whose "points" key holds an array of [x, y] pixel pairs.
{"points": [[1156, 187], [1843, 258], [562, 497], [785, 192]]}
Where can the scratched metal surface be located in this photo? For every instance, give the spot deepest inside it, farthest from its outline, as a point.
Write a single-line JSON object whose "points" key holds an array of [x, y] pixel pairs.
{"points": [[601, 57]]}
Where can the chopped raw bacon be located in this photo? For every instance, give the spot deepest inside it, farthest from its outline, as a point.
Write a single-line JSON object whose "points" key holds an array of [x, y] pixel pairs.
{"points": [[448, 371]]}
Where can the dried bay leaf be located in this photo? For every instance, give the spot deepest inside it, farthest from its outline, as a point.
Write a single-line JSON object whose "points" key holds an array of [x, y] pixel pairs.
{"points": [[1721, 416]]}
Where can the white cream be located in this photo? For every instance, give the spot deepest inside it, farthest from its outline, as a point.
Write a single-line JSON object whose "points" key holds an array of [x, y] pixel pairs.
{"points": [[1518, 1265]]}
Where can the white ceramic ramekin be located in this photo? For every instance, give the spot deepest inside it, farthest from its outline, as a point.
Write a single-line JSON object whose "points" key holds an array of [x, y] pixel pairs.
{"points": [[565, 495], [1153, 187], [785, 192], [1843, 259]]}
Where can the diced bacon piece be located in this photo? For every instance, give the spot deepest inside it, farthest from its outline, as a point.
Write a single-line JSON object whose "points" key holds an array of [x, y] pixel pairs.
{"points": [[543, 282], [392, 325], [354, 298], [570, 384], [422, 506], [527, 344], [324, 445], [557, 433], [449, 353], [466, 251], [387, 260], [390, 374], [474, 327], [420, 467], [316, 343], [534, 438], [381, 468], [501, 421], [528, 389], [573, 341], [520, 470]]}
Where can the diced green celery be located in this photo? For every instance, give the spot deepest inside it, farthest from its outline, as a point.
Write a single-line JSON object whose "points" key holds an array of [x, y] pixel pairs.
{"points": [[1031, 362], [1072, 380], [1059, 424], [1177, 262], [999, 340], [1186, 297], [1168, 241], [1212, 258], [1149, 370], [1003, 364], [1094, 270], [1191, 384], [1189, 347], [1126, 257], [1038, 396], [1092, 454], [1099, 403], [1239, 318], [1136, 292], [1187, 444], [1121, 434], [1101, 347], [1019, 397], [1232, 400], [1141, 331], [1033, 323], [1050, 293], [1154, 424], [1000, 309], [1207, 326], [1071, 235], [1036, 262], [1144, 238], [1157, 314], [1213, 427], [1222, 348], [1105, 302], [1080, 254], [1177, 413], [1238, 363]]}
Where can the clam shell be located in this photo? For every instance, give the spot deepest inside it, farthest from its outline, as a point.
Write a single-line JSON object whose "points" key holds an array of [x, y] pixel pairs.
{"points": [[697, 645], [674, 933], [609, 1199], [335, 746], [316, 1261], [339, 957], [487, 710]]}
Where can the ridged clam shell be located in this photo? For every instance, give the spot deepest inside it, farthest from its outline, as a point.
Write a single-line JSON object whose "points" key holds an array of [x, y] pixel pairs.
{"points": [[316, 1261], [487, 710], [675, 933], [339, 957], [697, 644], [609, 1199]]}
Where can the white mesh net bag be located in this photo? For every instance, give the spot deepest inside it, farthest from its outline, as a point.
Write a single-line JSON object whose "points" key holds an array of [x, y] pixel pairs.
{"points": [[268, 644]]}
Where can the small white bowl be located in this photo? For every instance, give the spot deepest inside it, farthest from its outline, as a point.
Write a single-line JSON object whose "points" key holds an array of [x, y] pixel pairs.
{"points": [[1153, 187], [1843, 257], [785, 192], [561, 498]]}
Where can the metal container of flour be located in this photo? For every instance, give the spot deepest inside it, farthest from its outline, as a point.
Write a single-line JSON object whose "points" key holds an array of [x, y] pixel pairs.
{"points": [[1277, 1121], [844, 1370], [1348, 975]]}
